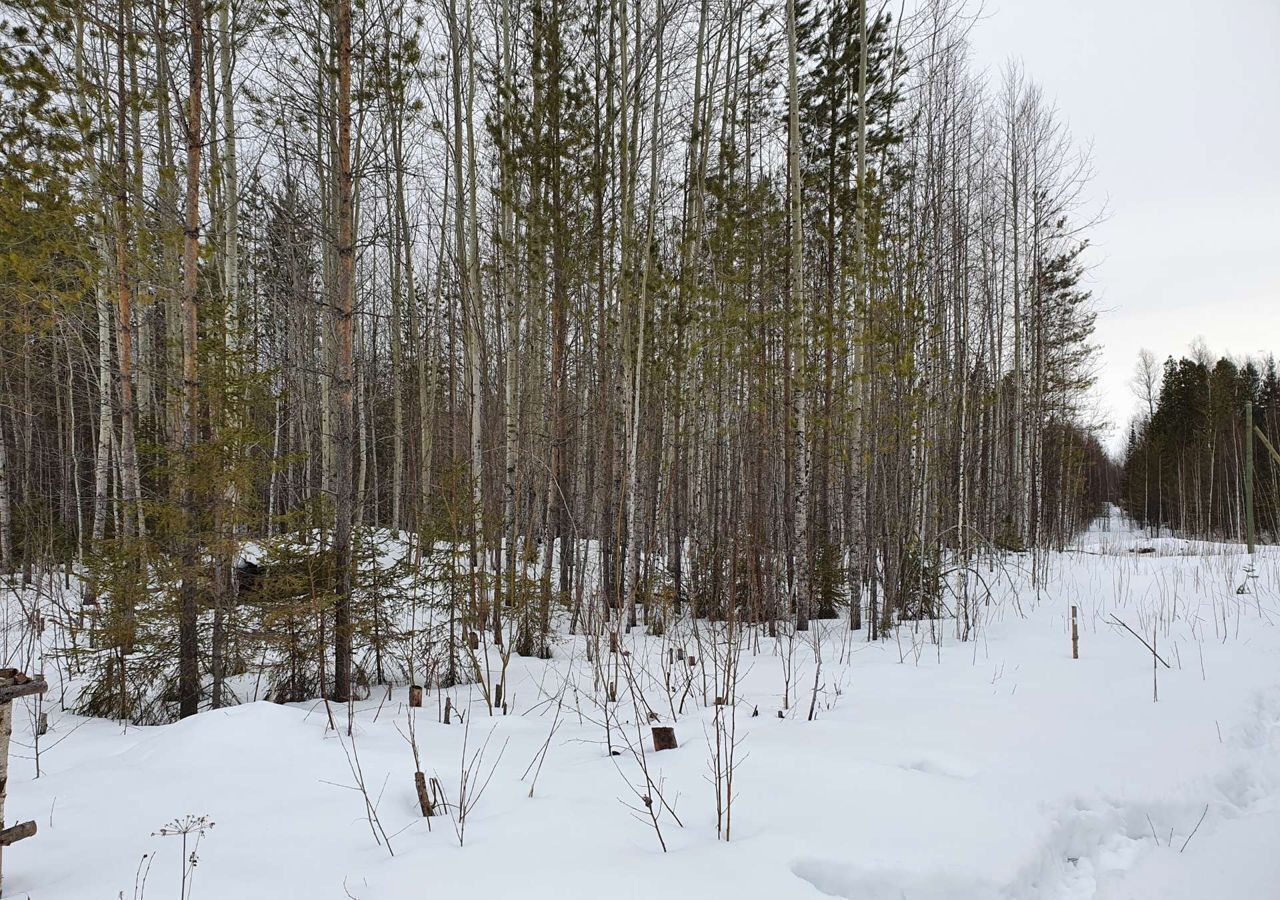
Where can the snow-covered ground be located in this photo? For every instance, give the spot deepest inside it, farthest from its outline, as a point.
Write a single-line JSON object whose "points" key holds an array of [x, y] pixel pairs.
{"points": [[994, 768]]}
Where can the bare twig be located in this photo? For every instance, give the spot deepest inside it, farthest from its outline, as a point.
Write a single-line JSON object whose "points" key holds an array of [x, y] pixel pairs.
{"points": [[1194, 830], [1116, 621]]}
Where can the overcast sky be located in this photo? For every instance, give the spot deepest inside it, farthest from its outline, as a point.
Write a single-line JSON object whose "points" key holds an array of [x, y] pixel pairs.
{"points": [[1181, 102]]}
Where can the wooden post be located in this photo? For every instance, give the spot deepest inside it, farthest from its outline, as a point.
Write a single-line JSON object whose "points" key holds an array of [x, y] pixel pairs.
{"points": [[13, 684], [1248, 472], [1075, 635], [664, 737]]}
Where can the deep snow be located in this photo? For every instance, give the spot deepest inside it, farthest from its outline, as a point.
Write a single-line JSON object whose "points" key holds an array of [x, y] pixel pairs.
{"points": [[996, 768]]}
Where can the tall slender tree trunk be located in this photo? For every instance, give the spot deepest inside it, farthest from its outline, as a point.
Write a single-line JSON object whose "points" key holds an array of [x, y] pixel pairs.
{"points": [[227, 504], [858, 566], [801, 506], [397, 375], [102, 307], [132, 517], [6, 510], [188, 644], [344, 382], [641, 321], [475, 325], [511, 309], [417, 339]]}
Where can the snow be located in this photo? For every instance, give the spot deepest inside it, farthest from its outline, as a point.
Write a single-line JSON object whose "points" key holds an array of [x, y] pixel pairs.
{"points": [[934, 770]]}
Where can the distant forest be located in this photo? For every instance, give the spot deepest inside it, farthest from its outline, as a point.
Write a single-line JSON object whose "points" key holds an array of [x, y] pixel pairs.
{"points": [[1183, 464]]}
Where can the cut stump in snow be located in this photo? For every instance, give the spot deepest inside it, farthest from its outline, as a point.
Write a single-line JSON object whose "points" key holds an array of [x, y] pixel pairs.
{"points": [[664, 737], [13, 684], [424, 799], [415, 695]]}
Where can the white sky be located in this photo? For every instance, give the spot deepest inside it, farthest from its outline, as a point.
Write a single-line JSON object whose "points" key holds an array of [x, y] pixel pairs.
{"points": [[1181, 102]]}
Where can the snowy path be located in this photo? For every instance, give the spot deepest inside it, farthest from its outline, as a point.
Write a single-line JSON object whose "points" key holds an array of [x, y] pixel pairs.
{"points": [[999, 768]]}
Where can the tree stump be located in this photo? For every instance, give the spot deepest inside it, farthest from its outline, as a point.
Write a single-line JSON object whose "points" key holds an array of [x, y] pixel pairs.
{"points": [[664, 737], [415, 695], [424, 799]]}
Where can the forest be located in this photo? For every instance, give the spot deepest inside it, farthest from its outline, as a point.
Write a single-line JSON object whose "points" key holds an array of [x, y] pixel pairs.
{"points": [[1184, 465], [625, 448], [608, 313]]}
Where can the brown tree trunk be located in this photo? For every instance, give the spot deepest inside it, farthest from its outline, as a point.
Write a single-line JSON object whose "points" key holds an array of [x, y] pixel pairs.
{"points": [[344, 306], [188, 642]]}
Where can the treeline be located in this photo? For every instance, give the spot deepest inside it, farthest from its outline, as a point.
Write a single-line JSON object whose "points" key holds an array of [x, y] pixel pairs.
{"points": [[1184, 463], [729, 307]]}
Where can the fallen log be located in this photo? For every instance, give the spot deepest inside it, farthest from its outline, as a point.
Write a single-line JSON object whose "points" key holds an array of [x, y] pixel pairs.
{"points": [[15, 833], [21, 688]]}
